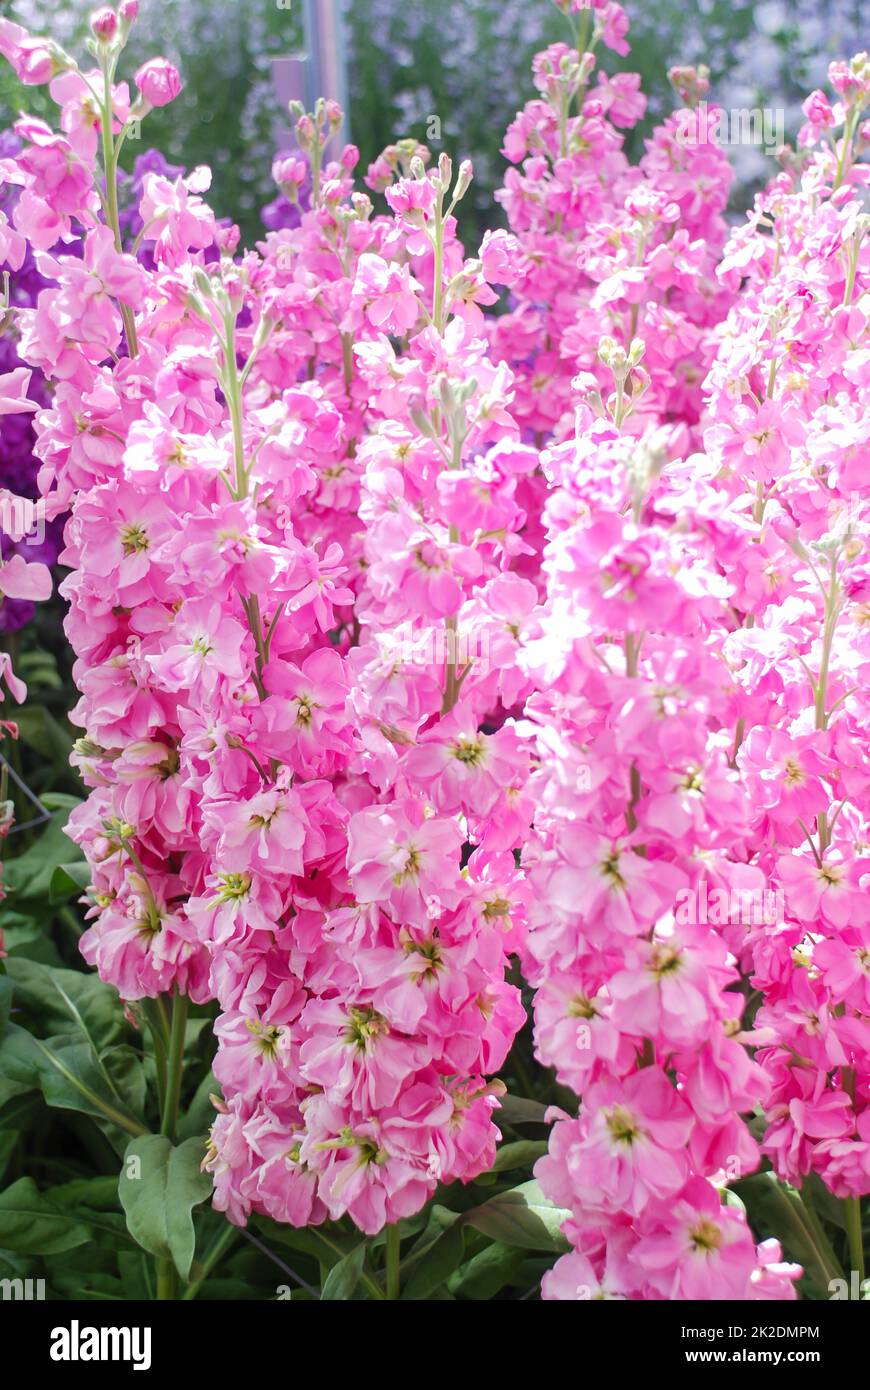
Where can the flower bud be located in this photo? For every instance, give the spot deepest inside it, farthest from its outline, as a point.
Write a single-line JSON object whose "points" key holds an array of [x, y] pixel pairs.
{"points": [[158, 81], [463, 179], [104, 24]]}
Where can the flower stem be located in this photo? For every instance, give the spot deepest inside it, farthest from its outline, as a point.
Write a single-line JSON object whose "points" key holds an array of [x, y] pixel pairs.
{"points": [[394, 1241], [174, 1067], [438, 291], [852, 1213], [167, 1283], [110, 169], [217, 1250]]}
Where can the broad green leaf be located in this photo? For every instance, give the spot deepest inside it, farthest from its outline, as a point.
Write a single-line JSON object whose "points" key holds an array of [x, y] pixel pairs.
{"points": [[40, 731], [91, 1285], [517, 1110], [28, 878], [94, 1202], [436, 1266], [5, 1000], [522, 1154], [61, 1000], [14, 1266], [324, 1243], [8, 1140], [822, 1200], [159, 1186], [523, 1216], [342, 1279], [69, 1075], [30, 1224], [776, 1208], [69, 881], [21, 929], [487, 1273], [200, 1112], [99, 1193], [125, 1069]]}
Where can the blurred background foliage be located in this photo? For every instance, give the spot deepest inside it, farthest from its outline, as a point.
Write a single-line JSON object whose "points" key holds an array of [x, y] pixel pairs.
{"points": [[465, 61]]}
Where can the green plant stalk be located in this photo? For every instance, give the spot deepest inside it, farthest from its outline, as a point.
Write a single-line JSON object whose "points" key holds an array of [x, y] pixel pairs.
{"points": [[159, 1038], [851, 1205], [110, 168], [438, 295], [174, 1067], [167, 1282], [844, 161], [394, 1260], [219, 1247], [852, 1213]]}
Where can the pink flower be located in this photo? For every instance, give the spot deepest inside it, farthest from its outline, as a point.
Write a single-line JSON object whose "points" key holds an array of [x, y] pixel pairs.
{"points": [[158, 81], [21, 580], [627, 1148], [389, 292], [698, 1248], [13, 392]]}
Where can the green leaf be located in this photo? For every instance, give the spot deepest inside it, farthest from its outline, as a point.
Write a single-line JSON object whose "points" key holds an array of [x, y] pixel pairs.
{"points": [[14, 1266], [8, 1140], [159, 1186], [522, 1154], [523, 1216], [94, 1201], [69, 880], [517, 1110], [28, 878], [100, 1193], [436, 1266], [822, 1200], [324, 1243], [69, 1075], [5, 1000], [342, 1279], [200, 1112], [125, 1069], [60, 998], [30, 1224], [487, 1272], [40, 731], [776, 1208]]}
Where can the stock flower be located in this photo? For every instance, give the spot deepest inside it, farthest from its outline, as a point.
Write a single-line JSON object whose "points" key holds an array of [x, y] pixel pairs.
{"points": [[13, 392], [158, 81], [411, 638]]}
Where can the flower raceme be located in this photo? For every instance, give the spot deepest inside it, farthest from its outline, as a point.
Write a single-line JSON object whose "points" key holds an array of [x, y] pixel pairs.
{"points": [[697, 651], [411, 639], [257, 829]]}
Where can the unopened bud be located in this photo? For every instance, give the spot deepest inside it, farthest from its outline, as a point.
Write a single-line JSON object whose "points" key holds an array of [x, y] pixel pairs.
{"points": [[104, 24]]}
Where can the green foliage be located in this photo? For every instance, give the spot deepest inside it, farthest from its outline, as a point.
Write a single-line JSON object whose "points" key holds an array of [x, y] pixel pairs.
{"points": [[159, 1186]]}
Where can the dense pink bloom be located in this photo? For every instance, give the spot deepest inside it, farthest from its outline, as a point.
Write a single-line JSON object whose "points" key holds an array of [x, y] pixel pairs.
{"points": [[412, 639]]}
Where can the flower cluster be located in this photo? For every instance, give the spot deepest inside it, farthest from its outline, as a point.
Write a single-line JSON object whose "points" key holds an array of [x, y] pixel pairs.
{"points": [[291, 812], [412, 638], [699, 939]]}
